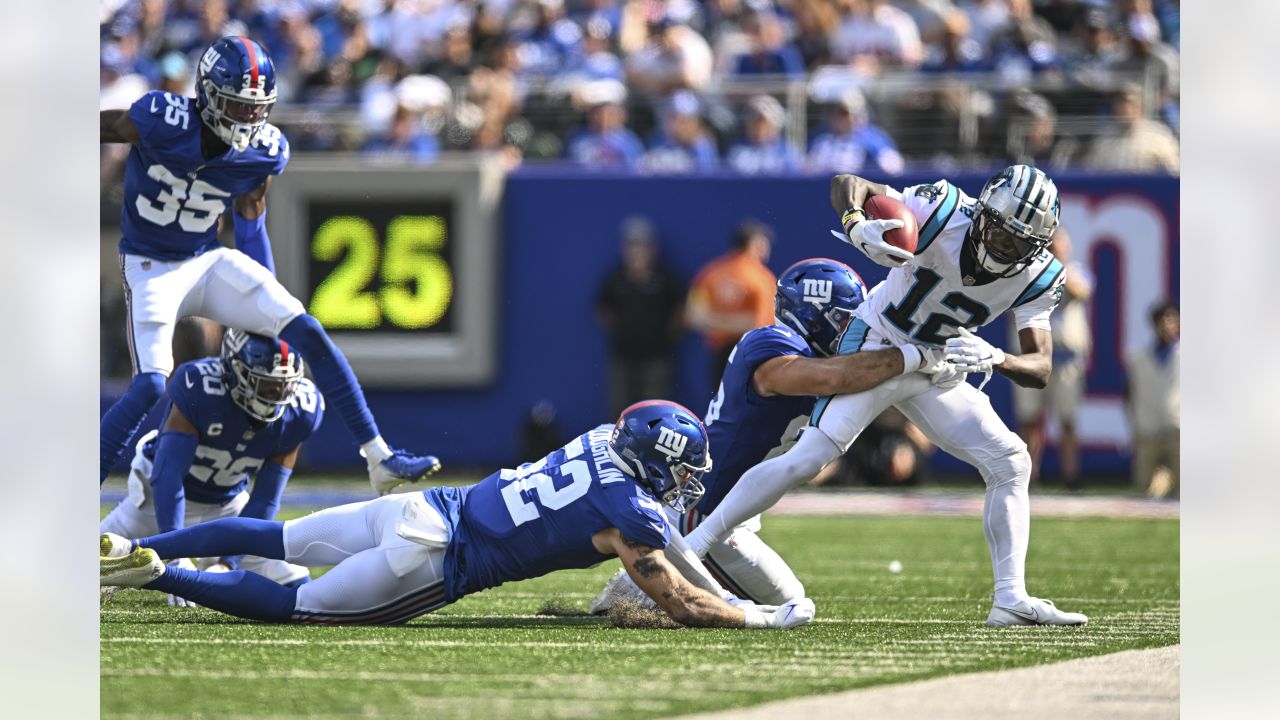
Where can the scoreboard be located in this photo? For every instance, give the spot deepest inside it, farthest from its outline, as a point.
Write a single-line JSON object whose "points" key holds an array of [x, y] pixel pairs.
{"points": [[397, 262]]}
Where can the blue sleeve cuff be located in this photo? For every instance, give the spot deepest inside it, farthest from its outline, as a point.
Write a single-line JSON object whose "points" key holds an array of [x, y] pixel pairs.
{"points": [[174, 454], [251, 239]]}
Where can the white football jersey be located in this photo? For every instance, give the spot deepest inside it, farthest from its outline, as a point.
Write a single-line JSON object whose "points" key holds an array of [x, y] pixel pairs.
{"points": [[930, 298]]}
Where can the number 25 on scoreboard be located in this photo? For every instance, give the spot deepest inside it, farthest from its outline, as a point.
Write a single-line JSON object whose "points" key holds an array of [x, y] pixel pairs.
{"points": [[414, 283]]}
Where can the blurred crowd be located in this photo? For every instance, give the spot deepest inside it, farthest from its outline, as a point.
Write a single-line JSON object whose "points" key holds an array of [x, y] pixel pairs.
{"points": [[749, 86]]}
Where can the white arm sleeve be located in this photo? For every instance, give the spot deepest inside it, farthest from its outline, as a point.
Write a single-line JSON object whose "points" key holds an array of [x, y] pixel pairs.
{"points": [[761, 487], [1035, 314]]}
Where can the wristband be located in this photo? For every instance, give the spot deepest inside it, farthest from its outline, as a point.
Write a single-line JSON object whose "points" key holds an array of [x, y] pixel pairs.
{"points": [[852, 217], [911, 358], [754, 619]]}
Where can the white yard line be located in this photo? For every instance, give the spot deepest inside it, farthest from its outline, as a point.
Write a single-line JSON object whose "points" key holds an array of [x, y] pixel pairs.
{"points": [[1134, 684]]}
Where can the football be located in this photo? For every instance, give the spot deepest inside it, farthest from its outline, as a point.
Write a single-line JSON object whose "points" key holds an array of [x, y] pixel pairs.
{"points": [[883, 207]]}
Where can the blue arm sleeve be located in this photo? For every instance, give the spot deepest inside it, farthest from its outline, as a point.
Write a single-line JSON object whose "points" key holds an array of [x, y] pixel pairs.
{"points": [[174, 453], [264, 500], [251, 239]]}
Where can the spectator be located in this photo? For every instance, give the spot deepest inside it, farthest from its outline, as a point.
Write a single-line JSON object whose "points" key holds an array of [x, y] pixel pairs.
{"points": [[640, 304], [1145, 56], [815, 24], [407, 138], [988, 20], [957, 51], [1072, 339], [1153, 404], [763, 149], [597, 61], [929, 17], [852, 144], [605, 142], [1029, 135], [675, 57], [684, 145], [1134, 143], [1027, 50], [769, 52], [553, 44], [457, 59], [1089, 64], [733, 294], [874, 34]]}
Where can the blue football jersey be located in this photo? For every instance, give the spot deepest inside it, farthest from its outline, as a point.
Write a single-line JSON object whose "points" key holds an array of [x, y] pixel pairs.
{"points": [[173, 196], [540, 517], [232, 445], [742, 425]]}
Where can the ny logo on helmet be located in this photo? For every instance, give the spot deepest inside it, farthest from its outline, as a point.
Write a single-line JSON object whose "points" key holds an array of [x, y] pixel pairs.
{"points": [[670, 442], [211, 58], [816, 290]]}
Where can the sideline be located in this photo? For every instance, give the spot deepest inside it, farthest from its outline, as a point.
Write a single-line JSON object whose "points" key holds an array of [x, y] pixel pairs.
{"points": [[1132, 684]]}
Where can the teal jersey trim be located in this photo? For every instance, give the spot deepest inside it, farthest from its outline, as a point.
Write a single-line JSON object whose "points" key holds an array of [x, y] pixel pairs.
{"points": [[939, 218], [1045, 280]]}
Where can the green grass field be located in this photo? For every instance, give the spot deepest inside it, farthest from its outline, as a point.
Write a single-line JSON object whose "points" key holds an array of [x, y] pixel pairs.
{"points": [[492, 655]]}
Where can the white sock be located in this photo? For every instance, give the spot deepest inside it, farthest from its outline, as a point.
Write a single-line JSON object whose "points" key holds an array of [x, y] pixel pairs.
{"points": [[1006, 521], [375, 451], [762, 486]]}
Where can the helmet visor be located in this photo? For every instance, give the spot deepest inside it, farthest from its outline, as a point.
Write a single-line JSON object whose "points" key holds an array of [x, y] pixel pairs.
{"points": [[249, 113], [1005, 245]]}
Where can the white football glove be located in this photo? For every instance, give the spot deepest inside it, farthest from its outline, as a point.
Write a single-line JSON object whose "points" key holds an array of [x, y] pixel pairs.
{"points": [[792, 614], [788, 615], [738, 602], [868, 236], [941, 372], [185, 564], [970, 353]]}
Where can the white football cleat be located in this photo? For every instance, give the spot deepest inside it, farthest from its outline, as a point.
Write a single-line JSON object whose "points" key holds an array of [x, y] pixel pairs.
{"points": [[1033, 611], [133, 570], [113, 546], [620, 588]]}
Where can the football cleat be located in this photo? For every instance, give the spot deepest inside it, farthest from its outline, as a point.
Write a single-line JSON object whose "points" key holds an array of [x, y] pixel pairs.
{"points": [[620, 588], [111, 545], [133, 570], [1033, 611], [401, 468]]}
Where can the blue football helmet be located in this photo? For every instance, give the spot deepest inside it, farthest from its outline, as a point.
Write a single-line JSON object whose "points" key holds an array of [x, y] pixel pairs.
{"points": [[235, 89], [665, 447], [816, 298], [261, 373]]}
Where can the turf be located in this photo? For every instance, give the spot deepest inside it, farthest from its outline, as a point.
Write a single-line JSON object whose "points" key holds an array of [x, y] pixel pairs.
{"points": [[493, 655]]}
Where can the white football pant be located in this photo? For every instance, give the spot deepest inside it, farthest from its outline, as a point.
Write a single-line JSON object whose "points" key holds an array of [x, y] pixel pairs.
{"points": [[135, 517], [744, 564], [222, 284], [961, 421], [379, 575]]}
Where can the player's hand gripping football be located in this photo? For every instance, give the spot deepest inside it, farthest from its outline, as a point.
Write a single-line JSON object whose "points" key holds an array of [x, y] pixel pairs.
{"points": [[868, 237]]}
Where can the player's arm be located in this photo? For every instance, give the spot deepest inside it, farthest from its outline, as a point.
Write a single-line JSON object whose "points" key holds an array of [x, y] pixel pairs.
{"points": [[839, 375], [117, 127], [1030, 369], [251, 225], [848, 193], [683, 602], [175, 451]]}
